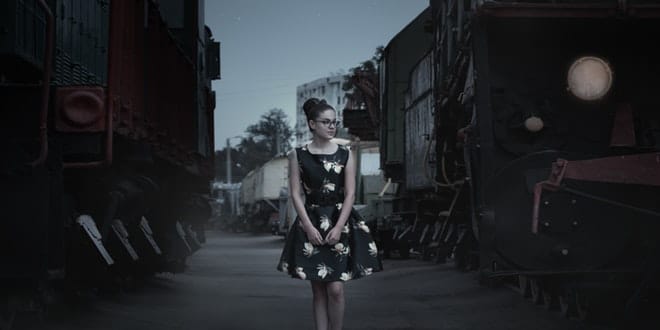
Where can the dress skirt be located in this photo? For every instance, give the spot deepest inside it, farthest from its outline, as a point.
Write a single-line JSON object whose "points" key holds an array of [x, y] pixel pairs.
{"points": [[353, 257]]}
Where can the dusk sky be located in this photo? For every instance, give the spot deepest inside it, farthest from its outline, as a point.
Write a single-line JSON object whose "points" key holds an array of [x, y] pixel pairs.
{"points": [[269, 47]]}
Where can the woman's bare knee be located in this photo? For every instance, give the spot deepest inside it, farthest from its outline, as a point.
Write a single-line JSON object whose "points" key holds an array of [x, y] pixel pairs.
{"points": [[335, 291]]}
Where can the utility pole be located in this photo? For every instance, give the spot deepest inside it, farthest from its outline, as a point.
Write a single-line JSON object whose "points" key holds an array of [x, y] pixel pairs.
{"points": [[228, 158], [277, 141]]}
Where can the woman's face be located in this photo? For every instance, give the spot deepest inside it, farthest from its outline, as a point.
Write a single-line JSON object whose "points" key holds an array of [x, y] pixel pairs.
{"points": [[325, 126]]}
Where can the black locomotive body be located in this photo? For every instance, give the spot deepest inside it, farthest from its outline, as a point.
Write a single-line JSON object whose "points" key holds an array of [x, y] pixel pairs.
{"points": [[544, 150]]}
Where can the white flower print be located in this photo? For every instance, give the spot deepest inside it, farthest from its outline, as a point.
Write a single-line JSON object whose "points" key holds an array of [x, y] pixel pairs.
{"points": [[363, 226], [285, 267], [346, 276], [339, 205], [373, 250], [324, 270], [334, 166], [301, 274], [325, 222], [346, 229], [309, 249], [327, 165], [341, 249], [329, 186], [365, 271]]}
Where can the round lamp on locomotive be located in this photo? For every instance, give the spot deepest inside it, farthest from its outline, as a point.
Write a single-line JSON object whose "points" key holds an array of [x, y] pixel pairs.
{"points": [[589, 78]]}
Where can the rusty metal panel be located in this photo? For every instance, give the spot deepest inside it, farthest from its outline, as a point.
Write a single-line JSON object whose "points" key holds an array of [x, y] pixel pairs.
{"points": [[82, 42], [420, 147], [419, 142], [420, 78], [400, 57], [23, 26]]}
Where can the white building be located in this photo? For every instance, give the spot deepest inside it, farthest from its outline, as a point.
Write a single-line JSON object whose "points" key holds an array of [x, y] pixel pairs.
{"points": [[328, 89]]}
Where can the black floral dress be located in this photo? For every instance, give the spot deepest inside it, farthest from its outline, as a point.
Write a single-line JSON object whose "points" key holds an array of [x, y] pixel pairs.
{"points": [[356, 254]]}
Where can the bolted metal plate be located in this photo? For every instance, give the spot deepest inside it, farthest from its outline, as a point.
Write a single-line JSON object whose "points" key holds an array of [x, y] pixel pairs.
{"points": [[574, 232]]}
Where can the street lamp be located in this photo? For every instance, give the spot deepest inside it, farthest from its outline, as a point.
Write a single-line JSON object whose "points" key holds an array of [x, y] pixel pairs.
{"points": [[228, 150]]}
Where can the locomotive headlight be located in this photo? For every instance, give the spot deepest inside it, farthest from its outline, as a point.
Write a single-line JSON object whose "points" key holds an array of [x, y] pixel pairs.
{"points": [[534, 124], [589, 78]]}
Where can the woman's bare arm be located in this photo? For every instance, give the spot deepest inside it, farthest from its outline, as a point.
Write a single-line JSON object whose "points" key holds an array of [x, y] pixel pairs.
{"points": [[349, 190]]}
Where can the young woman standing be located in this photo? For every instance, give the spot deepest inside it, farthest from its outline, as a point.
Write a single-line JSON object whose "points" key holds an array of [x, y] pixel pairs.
{"points": [[328, 243]]}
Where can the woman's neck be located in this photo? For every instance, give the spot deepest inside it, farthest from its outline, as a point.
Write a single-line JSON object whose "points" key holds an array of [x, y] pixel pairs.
{"points": [[321, 144]]}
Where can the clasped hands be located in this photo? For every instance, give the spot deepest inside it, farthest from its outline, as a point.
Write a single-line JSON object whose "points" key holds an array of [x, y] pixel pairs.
{"points": [[316, 238]]}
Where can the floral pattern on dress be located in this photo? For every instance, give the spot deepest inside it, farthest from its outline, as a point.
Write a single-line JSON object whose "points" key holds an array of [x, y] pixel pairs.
{"points": [[324, 270], [325, 222], [362, 225], [355, 255], [309, 249]]}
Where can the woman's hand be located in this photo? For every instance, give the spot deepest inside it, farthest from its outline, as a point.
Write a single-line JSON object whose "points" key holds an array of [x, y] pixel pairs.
{"points": [[333, 235], [313, 235]]}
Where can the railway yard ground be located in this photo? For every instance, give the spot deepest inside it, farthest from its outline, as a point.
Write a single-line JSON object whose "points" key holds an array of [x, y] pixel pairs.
{"points": [[231, 283]]}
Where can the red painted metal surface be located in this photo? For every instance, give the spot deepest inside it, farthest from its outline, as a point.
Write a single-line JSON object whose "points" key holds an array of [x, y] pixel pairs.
{"points": [[80, 109], [45, 92], [151, 93], [641, 169], [156, 97], [623, 131], [115, 48]]}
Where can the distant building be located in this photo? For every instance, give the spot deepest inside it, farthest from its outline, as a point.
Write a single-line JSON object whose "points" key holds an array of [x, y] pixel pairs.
{"points": [[329, 89]]}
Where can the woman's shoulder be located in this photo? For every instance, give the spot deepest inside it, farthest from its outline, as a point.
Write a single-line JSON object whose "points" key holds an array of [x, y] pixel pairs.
{"points": [[293, 153]]}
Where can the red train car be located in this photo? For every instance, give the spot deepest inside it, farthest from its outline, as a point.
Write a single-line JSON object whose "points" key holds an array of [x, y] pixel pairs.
{"points": [[106, 140]]}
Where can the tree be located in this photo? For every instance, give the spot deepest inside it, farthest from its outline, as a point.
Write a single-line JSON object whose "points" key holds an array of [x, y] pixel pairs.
{"points": [[258, 146], [368, 68], [361, 86], [271, 135]]}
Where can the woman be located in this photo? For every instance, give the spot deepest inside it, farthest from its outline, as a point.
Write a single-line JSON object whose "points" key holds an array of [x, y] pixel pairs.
{"points": [[328, 243]]}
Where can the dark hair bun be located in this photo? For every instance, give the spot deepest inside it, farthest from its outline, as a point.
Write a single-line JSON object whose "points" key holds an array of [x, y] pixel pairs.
{"points": [[310, 104]]}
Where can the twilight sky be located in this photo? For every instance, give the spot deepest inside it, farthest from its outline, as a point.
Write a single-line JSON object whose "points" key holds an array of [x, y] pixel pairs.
{"points": [[269, 47]]}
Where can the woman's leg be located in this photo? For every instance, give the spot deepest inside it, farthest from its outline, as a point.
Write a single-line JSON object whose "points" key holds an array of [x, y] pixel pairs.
{"points": [[320, 307], [336, 305]]}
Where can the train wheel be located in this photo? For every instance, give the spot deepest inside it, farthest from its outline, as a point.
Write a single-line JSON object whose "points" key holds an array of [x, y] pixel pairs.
{"points": [[523, 286], [536, 291]]}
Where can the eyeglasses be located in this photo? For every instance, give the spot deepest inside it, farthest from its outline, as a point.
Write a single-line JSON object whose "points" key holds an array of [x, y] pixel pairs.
{"points": [[328, 122]]}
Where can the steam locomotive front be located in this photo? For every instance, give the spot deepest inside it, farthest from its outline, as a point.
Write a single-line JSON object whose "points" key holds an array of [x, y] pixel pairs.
{"points": [[568, 139]]}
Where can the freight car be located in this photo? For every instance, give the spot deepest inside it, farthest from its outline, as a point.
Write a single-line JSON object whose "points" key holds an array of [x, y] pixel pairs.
{"points": [[408, 149], [260, 194], [107, 138], [544, 137]]}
